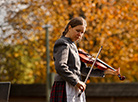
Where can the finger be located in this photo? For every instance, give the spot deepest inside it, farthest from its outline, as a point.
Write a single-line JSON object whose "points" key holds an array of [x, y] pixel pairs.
{"points": [[118, 70], [81, 88]]}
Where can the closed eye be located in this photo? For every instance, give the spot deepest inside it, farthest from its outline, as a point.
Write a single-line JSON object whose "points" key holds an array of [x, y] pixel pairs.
{"points": [[79, 31]]}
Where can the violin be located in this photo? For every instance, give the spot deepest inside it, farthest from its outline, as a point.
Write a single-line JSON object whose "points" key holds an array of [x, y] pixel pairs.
{"points": [[87, 58]]}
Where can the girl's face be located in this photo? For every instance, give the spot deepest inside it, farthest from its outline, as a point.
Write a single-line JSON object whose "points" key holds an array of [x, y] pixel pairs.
{"points": [[76, 33]]}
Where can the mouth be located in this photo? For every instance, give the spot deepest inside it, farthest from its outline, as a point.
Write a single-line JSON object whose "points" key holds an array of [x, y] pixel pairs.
{"points": [[78, 37]]}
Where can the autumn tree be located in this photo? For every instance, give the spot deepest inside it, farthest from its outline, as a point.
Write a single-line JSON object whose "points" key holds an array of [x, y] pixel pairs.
{"points": [[110, 23]]}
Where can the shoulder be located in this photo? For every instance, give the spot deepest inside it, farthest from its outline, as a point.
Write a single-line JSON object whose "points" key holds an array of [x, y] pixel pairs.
{"points": [[61, 44], [61, 41]]}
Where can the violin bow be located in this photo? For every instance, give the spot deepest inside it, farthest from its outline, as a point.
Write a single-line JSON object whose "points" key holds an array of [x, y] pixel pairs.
{"points": [[91, 69]]}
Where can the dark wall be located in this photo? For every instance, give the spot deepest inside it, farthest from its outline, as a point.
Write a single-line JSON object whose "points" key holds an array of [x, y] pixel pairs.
{"points": [[97, 92]]}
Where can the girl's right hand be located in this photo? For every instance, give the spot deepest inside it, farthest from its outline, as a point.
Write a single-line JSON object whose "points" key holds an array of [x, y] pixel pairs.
{"points": [[81, 85]]}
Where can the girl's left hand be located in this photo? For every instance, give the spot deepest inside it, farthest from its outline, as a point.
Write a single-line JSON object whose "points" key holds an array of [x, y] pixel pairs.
{"points": [[112, 72]]}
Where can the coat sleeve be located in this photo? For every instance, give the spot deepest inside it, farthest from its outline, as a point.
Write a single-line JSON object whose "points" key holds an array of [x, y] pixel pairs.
{"points": [[94, 73], [61, 54]]}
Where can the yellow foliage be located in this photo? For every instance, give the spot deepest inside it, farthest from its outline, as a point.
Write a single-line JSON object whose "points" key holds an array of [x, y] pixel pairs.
{"points": [[16, 54], [112, 24]]}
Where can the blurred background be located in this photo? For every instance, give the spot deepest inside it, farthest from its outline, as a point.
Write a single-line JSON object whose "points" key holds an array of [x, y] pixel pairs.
{"points": [[112, 24]]}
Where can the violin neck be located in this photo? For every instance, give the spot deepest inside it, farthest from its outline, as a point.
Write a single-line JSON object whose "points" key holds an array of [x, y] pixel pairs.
{"points": [[105, 64]]}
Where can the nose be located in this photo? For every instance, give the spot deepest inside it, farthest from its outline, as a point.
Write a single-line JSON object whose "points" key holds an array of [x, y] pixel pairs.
{"points": [[79, 33]]}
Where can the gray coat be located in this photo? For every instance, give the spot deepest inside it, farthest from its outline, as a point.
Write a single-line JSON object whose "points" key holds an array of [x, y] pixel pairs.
{"points": [[67, 62]]}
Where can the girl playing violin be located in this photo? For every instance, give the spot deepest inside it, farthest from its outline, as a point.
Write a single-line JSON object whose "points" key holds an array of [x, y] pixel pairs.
{"points": [[69, 67]]}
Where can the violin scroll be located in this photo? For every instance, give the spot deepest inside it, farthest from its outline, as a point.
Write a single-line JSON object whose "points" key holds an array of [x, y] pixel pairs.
{"points": [[121, 77]]}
